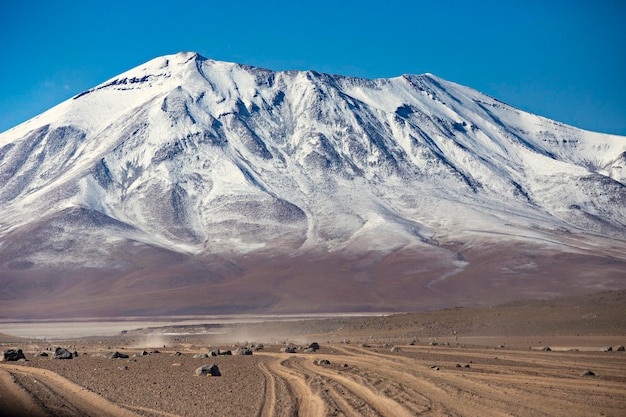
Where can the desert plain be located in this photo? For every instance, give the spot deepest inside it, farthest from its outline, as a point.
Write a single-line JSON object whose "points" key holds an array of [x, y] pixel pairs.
{"points": [[559, 357]]}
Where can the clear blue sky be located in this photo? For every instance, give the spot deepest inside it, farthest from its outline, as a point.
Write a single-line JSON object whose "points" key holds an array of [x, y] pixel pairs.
{"points": [[565, 60]]}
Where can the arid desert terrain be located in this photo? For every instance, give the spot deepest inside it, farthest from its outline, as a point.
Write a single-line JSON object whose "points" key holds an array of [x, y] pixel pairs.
{"points": [[532, 358]]}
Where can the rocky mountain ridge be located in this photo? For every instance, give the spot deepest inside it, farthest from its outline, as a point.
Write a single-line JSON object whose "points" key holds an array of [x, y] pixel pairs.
{"points": [[184, 172]]}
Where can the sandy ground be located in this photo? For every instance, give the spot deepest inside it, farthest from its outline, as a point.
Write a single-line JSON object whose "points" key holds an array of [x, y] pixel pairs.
{"points": [[455, 362]]}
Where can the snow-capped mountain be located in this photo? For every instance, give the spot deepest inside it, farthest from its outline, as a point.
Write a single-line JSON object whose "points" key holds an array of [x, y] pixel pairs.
{"points": [[191, 185]]}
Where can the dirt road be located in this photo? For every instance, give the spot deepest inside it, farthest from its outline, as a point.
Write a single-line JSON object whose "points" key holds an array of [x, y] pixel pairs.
{"points": [[467, 362]]}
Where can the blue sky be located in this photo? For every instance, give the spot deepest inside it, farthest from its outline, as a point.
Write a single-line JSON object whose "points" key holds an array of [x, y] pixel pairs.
{"points": [[565, 60]]}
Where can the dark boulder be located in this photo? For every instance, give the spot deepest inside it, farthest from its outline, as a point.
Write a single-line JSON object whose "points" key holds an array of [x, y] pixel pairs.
{"points": [[243, 351], [315, 346], [13, 355], [62, 353], [117, 355]]}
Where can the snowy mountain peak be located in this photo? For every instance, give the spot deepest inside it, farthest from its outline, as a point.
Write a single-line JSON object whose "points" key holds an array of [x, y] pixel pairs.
{"points": [[205, 159]]}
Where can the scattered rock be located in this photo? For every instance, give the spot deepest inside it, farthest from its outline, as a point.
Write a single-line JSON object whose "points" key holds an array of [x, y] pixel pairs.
{"points": [[62, 353], [208, 370], [224, 352], [214, 353], [13, 355], [177, 354], [315, 346], [243, 351], [620, 349], [41, 354], [458, 365], [289, 349], [607, 349], [588, 373], [467, 366], [433, 344], [435, 367], [396, 349], [323, 362], [117, 355], [201, 355], [546, 349]]}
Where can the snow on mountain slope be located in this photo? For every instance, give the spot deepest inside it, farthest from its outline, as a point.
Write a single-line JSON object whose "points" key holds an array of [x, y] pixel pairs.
{"points": [[204, 158]]}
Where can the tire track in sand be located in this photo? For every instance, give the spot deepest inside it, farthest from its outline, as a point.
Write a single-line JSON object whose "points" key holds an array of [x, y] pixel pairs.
{"points": [[15, 400], [494, 391], [384, 404], [85, 401], [339, 398], [301, 397], [268, 407]]}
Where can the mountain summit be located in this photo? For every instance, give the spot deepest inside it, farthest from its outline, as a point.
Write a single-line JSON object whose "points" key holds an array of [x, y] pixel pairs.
{"points": [[192, 186]]}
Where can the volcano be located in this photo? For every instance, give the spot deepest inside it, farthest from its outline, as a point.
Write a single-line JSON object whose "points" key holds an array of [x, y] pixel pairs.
{"points": [[192, 186]]}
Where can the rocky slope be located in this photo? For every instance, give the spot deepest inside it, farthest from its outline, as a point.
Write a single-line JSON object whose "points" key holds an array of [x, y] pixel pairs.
{"points": [[188, 185]]}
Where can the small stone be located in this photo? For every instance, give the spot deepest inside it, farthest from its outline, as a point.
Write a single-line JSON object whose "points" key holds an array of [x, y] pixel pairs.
{"points": [[117, 355], [315, 346], [588, 373], [208, 370], [243, 351], [62, 353]]}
